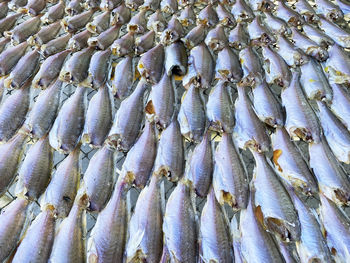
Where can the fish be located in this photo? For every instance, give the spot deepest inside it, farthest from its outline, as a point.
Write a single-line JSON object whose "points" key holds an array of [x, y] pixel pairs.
{"points": [[251, 64], [338, 34], [317, 35], [92, 4], [273, 205], [13, 112], [261, 5], [179, 225], [3, 43], [24, 70], [249, 131], [259, 32], [75, 69], [156, 22], [35, 171], [292, 55], [195, 36], [3, 10], [168, 6], [74, 23], [8, 22], [80, 40], [105, 39], [47, 33], [242, 11], [69, 243], [10, 156], [191, 115], [43, 113], [99, 68], [138, 163], [228, 66], [69, 123], [216, 39], [109, 236], [99, 118], [200, 166], [35, 7], [276, 25], [288, 251], [173, 32], [340, 105], [338, 65], [332, 180], [55, 45], [344, 6], [257, 245], [64, 184], [13, 223], [120, 15], [225, 17], [306, 11], [290, 165], [145, 42], [54, 12], [187, 16], [283, 11], [106, 5], [37, 242], [276, 69], [145, 228], [201, 67], [214, 232], [207, 16], [329, 10], [219, 108], [123, 78], [265, 104], [10, 57], [74, 7], [100, 23], [301, 121], [128, 119], [230, 179], [133, 4], [150, 5], [124, 46], [138, 23], [238, 37], [336, 229], [236, 239], [24, 30], [170, 154]]}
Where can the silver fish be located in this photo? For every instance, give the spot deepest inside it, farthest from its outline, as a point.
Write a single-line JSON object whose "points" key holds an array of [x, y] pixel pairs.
{"points": [[236, 240], [225, 17], [34, 7], [24, 30], [341, 103], [105, 39], [228, 66], [332, 180], [124, 45], [63, 187], [301, 121], [207, 16], [139, 161], [3, 43], [238, 37], [276, 25], [173, 32], [251, 64], [68, 126], [98, 118], [74, 7], [99, 68], [289, 15], [259, 32], [35, 172], [128, 119], [292, 55], [230, 180], [100, 23], [133, 4], [138, 23], [338, 65], [338, 34], [156, 22], [55, 45], [47, 33], [169, 6], [13, 222], [344, 5], [145, 42], [195, 36], [120, 15], [329, 10], [266, 107], [176, 59], [216, 39], [261, 5], [187, 16], [272, 201], [54, 13], [306, 10], [7, 23], [10, 57], [80, 40], [3, 9], [170, 154], [76, 22], [317, 35], [123, 78], [106, 5], [214, 232], [179, 226], [288, 251], [43, 114], [242, 11], [145, 228], [150, 5], [249, 131], [13, 112], [92, 4], [290, 165], [69, 244]]}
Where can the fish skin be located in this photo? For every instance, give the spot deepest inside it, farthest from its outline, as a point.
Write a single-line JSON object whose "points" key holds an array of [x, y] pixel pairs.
{"points": [[54, 13], [80, 40], [335, 132], [301, 121], [13, 112], [290, 165], [128, 119], [340, 105], [338, 65], [187, 16], [105, 39], [259, 32], [332, 180], [162, 101], [236, 240], [249, 131], [176, 59], [75, 69], [138, 23], [230, 180], [109, 4], [201, 67], [100, 23], [3, 42], [63, 187], [242, 11], [123, 78], [272, 201], [69, 243], [292, 55], [169, 6], [124, 45], [150, 5], [8, 22], [3, 9], [179, 225], [10, 57], [216, 39], [207, 16], [140, 159], [219, 108], [238, 37], [99, 178], [191, 116], [261, 5], [150, 66], [288, 14], [69, 123], [24, 30], [288, 251], [99, 118], [47, 33], [336, 228], [329, 10], [35, 171], [145, 228], [265, 104], [109, 235], [24, 70], [10, 157], [170, 154], [228, 66], [92, 4], [174, 31], [344, 6], [55, 45], [251, 64], [195, 36], [259, 246], [43, 113], [317, 35], [145, 42], [225, 17], [306, 11], [74, 7], [37, 242], [133, 4], [76, 22], [276, 25], [34, 7], [99, 68], [120, 15], [156, 22], [12, 224], [214, 232]]}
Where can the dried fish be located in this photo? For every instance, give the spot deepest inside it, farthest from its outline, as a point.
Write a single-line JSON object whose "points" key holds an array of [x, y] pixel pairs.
{"points": [[99, 68], [80, 40], [106, 5], [133, 4], [10, 57], [259, 32], [74, 7], [341, 103], [236, 239], [124, 45], [34, 7], [55, 45], [54, 13], [207, 16], [105, 39], [138, 23], [176, 59], [288, 14], [228, 66], [156, 22], [145, 42], [261, 5], [3, 43], [225, 17], [173, 32], [195, 36], [47, 33], [8, 22], [344, 5], [317, 35], [150, 5], [338, 65], [120, 15], [24, 30], [100, 23], [3, 9], [292, 55], [169, 6], [150, 65], [216, 39], [123, 78], [251, 65], [187, 16], [242, 11], [329, 10], [238, 37], [305, 9], [76, 22], [276, 25], [339, 35]]}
